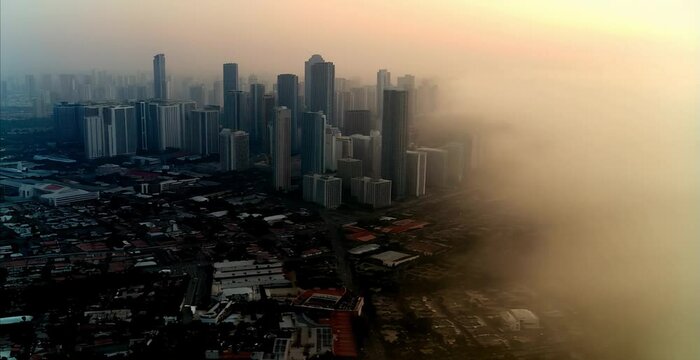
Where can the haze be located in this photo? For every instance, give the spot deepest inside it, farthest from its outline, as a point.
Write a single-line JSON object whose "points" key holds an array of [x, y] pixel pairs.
{"points": [[594, 106]]}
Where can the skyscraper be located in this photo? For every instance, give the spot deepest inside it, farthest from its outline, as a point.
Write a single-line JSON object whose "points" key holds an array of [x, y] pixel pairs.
{"points": [[324, 190], [416, 165], [198, 95], [230, 77], [288, 96], [373, 192], [68, 120], [437, 168], [329, 147], [201, 135], [234, 153], [455, 162], [141, 115], [160, 87], [166, 122], [121, 130], [395, 140], [322, 90], [93, 129], [257, 116], [313, 126], [383, 82], [348, 169], [269, 115], [235, 110], [357, 122], [308, 77], [408, 83], [282, 150]]}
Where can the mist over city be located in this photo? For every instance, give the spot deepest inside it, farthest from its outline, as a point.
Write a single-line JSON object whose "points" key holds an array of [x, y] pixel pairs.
{"points": [[349, 180]]}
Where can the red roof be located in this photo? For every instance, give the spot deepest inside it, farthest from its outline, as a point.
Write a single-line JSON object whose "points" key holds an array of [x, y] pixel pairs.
{"points": [[343, 338]]}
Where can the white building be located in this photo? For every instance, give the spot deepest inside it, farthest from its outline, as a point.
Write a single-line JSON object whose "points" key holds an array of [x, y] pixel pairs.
{"points": [[324, 190], [374, 192], [330, 148]]}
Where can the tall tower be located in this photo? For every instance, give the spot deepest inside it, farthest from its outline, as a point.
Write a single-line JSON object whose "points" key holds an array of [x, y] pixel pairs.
{"points": [[308, 77], [160, 86], [383, 82], [287, 96], [257, 115], [235, 110], [233, 150], [323, 90], [201, 135], [230, 77], [313, 125], [395, 140], [282, 150]]}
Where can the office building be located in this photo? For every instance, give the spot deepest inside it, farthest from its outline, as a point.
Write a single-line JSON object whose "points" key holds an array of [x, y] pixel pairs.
{"points": [[234, 150], [142, 129], [198, 95], [313, 127], [324, 190], [68, 119], [408, 83], [230, 77], [383, 82], [395, 140], [416, 167], [348, 169], [160, 86], [288, 96], [343, 149], [437, 168], [269, 115], [373, 192], [201, 135], [235, 110], [357, 122], [282, 150], [322, 90], [308, 79], [257, 115]]}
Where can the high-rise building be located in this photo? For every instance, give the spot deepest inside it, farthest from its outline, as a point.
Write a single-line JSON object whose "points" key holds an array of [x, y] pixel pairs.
{"points": [[343, 149], [416, 166], [269, 115], [437, 168], [313, 127], [235, 110], [230, 77], [166, 122], [288, 96], [94, 134], [395, 140], [160, 87], [308, 79], [257, 116], [30, 85], [324, 190], [322, 90], [198, 95], [234, 153], [455, 162], [408, 83], [141, 116], [359, 99], [68, 120], [383, 82], [201, 135], [282, 150], [373, 192], [348, 169], [216, 96], [329, 147], [357, 122], [121, 130]]}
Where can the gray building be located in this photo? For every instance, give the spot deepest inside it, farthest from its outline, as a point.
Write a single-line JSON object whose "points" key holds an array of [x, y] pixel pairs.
{"points": [[282, 150], [234, 150], [313, 126], [308, 79], [437, 168], [348, 169], [416, 167], [357, 122], [160, 85], [373, 192], [257, 115], [68, 120], [288, 96], [235, 110], [201, 135], [395, 140], [322, 90], [324, 190], [230, 77]]}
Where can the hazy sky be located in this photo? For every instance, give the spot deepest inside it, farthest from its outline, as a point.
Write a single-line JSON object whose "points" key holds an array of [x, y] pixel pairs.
{"points": [[430, 38]]}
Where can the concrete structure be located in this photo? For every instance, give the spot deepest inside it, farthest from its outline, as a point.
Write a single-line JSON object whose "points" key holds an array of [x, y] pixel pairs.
{"points": [[234, 150], [416, 168], [324, 190], [395, 140], [121, 130], [343, 149], [160, 88], [257, 116], [373, 192], [235, 110], [308, 78], [329, 147], [167, 120], [201, 131], [282, 150], [313, 127], [437, 168]]}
